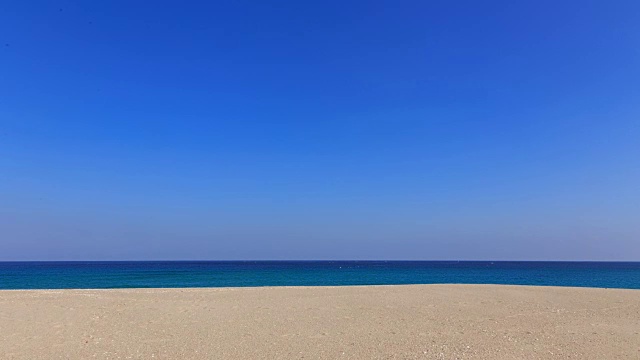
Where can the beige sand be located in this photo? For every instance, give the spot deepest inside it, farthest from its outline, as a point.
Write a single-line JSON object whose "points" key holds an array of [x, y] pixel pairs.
{"points": [[368, 322]]}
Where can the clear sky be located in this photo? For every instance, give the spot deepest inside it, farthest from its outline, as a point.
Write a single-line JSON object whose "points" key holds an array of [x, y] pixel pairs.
{"points": [[320, 130]]}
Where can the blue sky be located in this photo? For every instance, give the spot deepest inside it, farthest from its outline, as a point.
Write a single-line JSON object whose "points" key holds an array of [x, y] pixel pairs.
{"points": [[320, 130]]}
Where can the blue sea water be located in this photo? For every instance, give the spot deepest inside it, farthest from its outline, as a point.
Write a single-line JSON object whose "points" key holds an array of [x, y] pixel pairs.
{"points": [[104, 275]]}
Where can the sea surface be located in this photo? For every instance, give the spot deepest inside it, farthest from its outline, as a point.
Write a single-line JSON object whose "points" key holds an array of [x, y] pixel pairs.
{"points": [[167, 274]]}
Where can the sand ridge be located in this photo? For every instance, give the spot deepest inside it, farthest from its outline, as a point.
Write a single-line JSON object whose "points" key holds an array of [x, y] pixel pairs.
{"points": [[351, 322]]}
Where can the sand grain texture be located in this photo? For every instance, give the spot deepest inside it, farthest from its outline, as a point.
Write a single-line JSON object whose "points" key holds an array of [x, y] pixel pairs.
{"points": [[362, 322]]}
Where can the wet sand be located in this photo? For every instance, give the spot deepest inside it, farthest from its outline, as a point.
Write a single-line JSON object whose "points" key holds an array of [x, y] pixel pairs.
{"points": [[358, 322]]}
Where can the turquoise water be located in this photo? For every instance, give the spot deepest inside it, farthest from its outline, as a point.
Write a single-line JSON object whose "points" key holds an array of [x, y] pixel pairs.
{"points": [[103, 275]]}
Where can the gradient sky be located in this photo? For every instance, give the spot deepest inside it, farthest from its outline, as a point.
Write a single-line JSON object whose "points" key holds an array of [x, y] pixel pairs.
{"points": [[320, 130]]}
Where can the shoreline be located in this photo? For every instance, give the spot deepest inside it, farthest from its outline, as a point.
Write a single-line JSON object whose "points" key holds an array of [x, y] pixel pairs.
{"points": [[322, 322], [317, 286]]}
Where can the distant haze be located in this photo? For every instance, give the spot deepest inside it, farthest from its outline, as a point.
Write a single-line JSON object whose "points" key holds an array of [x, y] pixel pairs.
{"points": [[488, 130]]}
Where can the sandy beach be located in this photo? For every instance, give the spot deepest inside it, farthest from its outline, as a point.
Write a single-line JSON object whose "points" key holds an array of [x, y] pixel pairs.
{"points": [[360, 322]]}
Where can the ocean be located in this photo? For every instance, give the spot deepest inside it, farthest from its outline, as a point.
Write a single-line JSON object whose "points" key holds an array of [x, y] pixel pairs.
{"points": [[171, 274]]}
